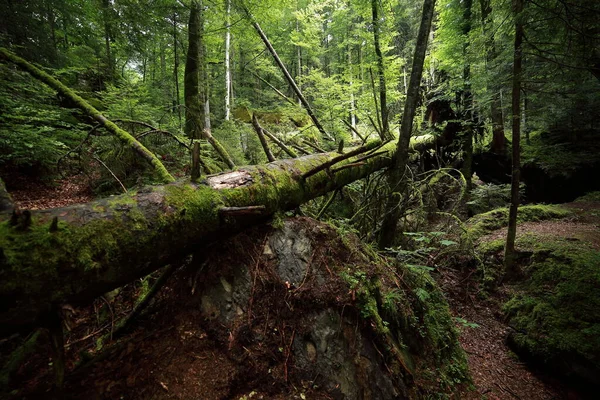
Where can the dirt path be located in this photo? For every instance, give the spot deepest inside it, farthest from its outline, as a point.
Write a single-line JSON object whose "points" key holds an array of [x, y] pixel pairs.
{"points": [[496, 370]]}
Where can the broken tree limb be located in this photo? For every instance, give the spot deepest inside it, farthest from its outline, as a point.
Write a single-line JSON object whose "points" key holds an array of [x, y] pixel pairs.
{"points": [[353, 129], [259, 131], [279, 143], [313, 146], [91, 111], [283, 96], [300, 149], [285, 72]]}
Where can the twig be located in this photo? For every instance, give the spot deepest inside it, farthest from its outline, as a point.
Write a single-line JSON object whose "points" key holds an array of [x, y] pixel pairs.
{"points": [[327, 204], [313, 146], [112, 173], [353, 129]]}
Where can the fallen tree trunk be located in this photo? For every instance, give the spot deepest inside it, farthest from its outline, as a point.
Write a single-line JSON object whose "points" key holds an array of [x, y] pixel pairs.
{"points": [[76, 253]]}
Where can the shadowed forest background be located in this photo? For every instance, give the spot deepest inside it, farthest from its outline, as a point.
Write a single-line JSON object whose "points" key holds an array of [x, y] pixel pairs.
{"points": [[299, 199]]}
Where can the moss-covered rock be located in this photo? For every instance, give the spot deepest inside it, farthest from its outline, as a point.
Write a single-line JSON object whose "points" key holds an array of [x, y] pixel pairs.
{"points": [[485, 223]]}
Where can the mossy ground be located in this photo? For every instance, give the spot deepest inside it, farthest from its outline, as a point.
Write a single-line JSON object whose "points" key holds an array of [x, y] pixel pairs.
{"points": [[555, 305], [490, 221]]}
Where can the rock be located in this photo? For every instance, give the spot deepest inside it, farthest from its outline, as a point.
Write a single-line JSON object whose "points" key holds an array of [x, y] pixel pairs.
{"points": [[289, 302]]}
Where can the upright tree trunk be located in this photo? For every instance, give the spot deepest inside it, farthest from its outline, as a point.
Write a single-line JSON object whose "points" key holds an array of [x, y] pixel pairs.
{"points": [[498, 145], [176, 101], [197, 122], [194, 107], [467, 100], [396, 179], [509, 251], [385, 125], [227, 59], [110, 68]]}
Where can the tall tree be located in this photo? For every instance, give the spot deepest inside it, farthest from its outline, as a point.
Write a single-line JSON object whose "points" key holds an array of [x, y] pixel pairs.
{"points": [[396, 175], [498, 140], [509, 250], [385, 124], [227, 60], [194, 106]]}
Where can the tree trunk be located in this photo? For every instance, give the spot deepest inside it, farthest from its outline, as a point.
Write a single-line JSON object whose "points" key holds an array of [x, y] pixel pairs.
{"points": [[396, 179], [194, 108], [498, 145], [109, 60], [83, 105], [261, 137], [176, 103], [227, 60], [96, 247], [509, 251], [385, 125], [76, 253], [467, 101]]}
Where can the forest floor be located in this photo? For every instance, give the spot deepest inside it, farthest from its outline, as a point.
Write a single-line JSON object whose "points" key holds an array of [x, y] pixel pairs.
{"points": [[169, 357]]}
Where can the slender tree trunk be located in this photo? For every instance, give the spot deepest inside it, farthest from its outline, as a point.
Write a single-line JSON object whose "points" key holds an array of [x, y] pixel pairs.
{"points": [[498, 145], [380, 70], [227, 60], [107, 33], [177, 101], [194, 108], [510, 265], [287, 75], [467, 100], [396, 179], [261, 137]]}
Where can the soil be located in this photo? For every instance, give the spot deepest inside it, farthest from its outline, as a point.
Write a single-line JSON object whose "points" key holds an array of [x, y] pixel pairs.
{"points": [[169, 355]]}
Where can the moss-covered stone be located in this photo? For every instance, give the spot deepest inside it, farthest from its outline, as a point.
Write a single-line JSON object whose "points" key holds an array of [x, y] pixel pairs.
{"points": [[485, 223]]}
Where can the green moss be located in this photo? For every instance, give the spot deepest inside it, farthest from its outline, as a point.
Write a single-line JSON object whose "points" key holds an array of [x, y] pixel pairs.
{"points": [[490, 221], [592, 196], [557, 309], [417, 320]]}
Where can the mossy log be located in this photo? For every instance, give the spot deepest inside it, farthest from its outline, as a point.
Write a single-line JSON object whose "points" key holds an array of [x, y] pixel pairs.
{"points": [[90, 111], [76, 253], [98, 246]]}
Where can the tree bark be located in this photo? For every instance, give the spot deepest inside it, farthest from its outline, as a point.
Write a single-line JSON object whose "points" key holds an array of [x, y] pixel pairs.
{"points": [[98, 246], [498, 145], [396, 179], [125, 137], [227, 60], [261, 137], [194, 107], [509, 251], [385, 124]]}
